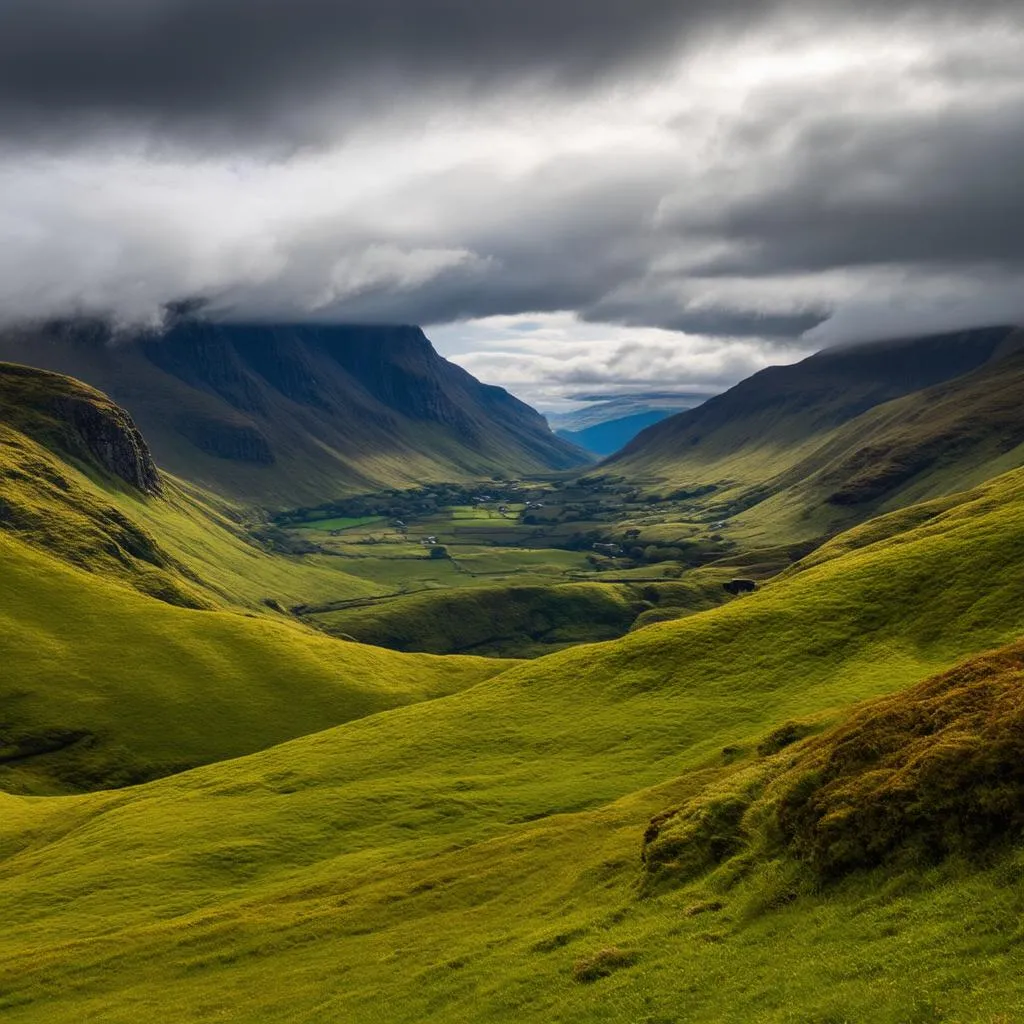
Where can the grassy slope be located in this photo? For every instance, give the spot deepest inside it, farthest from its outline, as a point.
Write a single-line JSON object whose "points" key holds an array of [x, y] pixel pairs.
{"points": [[159, 687], [455, 859], [110, 673], [205, 535], [517, 621]]}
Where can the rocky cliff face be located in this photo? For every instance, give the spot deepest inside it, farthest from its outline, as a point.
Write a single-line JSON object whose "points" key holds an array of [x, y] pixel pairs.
{"points": [[109, 434], [65, 415]]}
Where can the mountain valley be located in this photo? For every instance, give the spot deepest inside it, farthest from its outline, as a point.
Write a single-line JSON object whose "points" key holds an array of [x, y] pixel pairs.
{"points": [[279, 414], [498, 744]]}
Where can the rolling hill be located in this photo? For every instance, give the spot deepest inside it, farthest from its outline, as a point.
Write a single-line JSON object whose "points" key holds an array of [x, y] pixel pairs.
{"points": [[132, 639], [290, 414], [624, 831]]}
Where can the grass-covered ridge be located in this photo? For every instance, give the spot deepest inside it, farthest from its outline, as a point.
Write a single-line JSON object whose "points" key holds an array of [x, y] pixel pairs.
{"points": [[518, 621], [477, 857], [135, 633], [105, 686]]}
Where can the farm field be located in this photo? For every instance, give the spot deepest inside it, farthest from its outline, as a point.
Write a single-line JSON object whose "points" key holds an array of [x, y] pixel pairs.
{"points": [[530, 563]]}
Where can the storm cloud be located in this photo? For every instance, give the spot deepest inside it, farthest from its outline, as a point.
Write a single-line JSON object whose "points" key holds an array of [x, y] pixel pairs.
{"points": [[294, 69], [678, 179]]}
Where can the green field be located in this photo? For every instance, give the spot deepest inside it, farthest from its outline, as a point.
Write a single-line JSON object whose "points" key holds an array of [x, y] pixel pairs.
{"points": [[522, 596], [340, 523]]}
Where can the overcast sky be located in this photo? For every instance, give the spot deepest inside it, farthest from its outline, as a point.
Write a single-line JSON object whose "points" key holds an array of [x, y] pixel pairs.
{"points": [[571, 197]]}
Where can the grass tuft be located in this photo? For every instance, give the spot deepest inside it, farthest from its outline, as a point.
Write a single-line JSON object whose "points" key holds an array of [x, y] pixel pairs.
{"points": [[603, 964]]}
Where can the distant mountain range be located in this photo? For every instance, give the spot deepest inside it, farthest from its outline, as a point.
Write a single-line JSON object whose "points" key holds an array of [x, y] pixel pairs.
{"points": [[289, 414], [608, 438], [608, 422]]}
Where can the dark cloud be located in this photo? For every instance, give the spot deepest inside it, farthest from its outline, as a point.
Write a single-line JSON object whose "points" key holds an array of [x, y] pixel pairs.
{"points": [[721, 321], [254, 66], [759, 212], [290, 70], [940, 188]]}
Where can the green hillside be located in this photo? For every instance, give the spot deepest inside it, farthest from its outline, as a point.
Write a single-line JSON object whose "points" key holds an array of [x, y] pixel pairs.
{"points": [[126, 656], [775, 419], [108, 687], [517, 621], [483, 856]]}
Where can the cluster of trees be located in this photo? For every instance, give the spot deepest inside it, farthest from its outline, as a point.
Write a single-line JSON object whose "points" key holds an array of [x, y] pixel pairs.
{"points": [[404, 504]]}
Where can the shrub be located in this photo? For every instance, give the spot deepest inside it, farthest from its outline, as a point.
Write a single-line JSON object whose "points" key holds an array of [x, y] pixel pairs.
{"points": [[784, 736], [687, 842]]}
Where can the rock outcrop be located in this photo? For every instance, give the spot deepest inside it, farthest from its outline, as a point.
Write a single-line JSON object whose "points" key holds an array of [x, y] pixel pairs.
{"points": [[65, 415], [110, 436]]}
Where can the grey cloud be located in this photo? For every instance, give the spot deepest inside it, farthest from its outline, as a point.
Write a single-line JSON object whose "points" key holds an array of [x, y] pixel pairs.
{"points": [[799, 185], [255, 66], [898, 188], [289, 70], [623, 368], [720, 321]]}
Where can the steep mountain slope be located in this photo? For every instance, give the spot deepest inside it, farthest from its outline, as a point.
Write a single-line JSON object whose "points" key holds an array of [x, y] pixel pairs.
{"points": [[286, 415], [608, 437], [774, 419], [479, 857], [935, 441], [130, 640]]}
